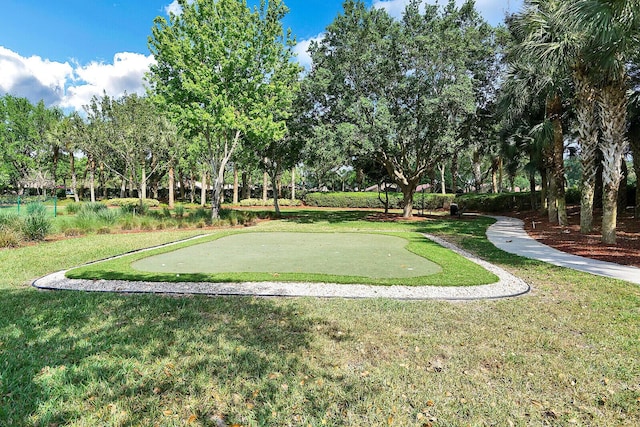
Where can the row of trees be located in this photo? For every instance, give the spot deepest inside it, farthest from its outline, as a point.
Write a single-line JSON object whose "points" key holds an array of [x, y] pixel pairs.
{"points": [[438, 96]]}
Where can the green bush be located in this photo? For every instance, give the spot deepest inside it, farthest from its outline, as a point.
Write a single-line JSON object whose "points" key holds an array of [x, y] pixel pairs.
{"points": [[9, 219], [9, 237], [371, 200], [73, 208], [36, 226], [179, 210], [500, 202], [36, 208], [269, 202], [131, 205]]}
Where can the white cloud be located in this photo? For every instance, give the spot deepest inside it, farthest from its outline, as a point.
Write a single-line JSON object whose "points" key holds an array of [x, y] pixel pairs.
{"points": [[174, 8], [125, 74], [301, 50], [71, 85], [33, 78]]}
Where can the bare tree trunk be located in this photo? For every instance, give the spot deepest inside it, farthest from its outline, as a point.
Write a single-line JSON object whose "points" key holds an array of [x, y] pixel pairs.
{"points": [[544, 184], [203, 189], [622, 188], [293, 184], [407, 200], [123, 188], [441, 166], [74, 177], [454, 172], [171, 187], [634, 139], [246, 191], [476, 168], [265, 184], [143, 183], [235, 184], [92, 184]]}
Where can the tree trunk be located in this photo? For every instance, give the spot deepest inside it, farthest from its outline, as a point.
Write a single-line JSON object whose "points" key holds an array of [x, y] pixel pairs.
{"points": [[245, 186], [293, 184], [544, 189], [476, 168], [442, 182], [554, 113], [123, 188], [407, 200], [74, 177], [265, 184], [203, 190], [454, 172], [92, 184], [634, 139], [276, 204], [235, 184], [171, 187], [588, 139], [613, 115], [143, 184]]}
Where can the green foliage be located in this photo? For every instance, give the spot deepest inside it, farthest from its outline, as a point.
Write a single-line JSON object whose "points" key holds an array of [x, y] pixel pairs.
{"points": [[132, 203], [496, 202], [179, 210], [371, 200], [269, 202], [36, 226], [10, 237], [36, 208]]}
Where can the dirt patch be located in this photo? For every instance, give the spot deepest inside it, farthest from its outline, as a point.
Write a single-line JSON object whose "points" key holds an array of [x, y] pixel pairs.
{"points": [[568, 238]]}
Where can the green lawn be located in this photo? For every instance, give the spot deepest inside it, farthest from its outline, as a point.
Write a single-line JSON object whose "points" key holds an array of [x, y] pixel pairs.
{"points": [[289, 251], [566, 354]]}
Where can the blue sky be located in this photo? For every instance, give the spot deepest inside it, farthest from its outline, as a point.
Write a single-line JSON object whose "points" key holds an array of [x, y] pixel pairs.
{"points": [[66, 51]]}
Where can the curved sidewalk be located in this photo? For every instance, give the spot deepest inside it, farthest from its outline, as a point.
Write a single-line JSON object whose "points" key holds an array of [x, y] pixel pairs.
{"points": [[507, 286], [509, 235]]}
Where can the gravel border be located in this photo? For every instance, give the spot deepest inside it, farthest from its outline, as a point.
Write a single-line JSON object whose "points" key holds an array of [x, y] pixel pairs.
{"points": [[507, 286]]}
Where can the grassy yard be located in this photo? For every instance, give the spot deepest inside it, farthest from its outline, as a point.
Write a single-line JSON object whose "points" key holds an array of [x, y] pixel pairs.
{"points": [[566, 354]]}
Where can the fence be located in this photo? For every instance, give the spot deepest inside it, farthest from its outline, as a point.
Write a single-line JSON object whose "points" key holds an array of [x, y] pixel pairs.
{"points": [[19, 204]]}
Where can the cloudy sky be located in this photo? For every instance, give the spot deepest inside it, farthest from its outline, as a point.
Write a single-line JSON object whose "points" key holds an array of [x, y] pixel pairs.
{"points": [[66, 51]]}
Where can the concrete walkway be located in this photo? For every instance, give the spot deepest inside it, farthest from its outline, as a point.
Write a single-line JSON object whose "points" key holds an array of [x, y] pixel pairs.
{"points": [[509, 235]]}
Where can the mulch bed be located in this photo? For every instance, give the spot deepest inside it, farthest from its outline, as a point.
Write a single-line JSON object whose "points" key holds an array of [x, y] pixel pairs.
{"points": [[568, 239]]}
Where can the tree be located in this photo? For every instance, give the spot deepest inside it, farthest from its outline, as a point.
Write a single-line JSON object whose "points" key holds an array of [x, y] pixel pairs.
{"points": [[397, 91], [214, 75]]}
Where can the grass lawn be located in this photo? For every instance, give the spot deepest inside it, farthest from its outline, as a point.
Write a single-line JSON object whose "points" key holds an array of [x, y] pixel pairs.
{"points": [[566, 354], [362, 255]]}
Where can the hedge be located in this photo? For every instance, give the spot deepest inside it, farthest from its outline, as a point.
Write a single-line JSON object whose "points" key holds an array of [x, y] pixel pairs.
{"points": [[269, 202], [371, 200], [492, 202], [132, 203]]}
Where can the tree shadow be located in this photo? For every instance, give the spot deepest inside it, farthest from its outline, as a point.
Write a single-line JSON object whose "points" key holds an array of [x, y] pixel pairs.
{"points": [[62, 352]]}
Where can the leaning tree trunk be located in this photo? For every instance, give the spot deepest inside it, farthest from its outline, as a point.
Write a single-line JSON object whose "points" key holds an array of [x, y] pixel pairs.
{"points": [[613, 114], [587, 119]]}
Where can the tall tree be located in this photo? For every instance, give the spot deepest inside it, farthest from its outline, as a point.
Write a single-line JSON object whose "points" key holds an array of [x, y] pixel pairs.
{"points": [[397, 90], [215, 63]]}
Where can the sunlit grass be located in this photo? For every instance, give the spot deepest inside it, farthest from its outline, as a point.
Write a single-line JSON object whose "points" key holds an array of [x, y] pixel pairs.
{"points": [[566, 354]]}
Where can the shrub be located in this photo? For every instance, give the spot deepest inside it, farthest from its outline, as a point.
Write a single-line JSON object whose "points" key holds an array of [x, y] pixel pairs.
{"points": [[36, 226], [371, 200], [9, 220], [132, 205], [9, 237], [500, 202], [73, 208], [179, 211], [269, 202], [36, 208], [73, 232]]}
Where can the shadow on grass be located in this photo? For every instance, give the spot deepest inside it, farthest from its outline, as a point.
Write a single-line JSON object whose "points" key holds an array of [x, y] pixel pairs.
{"points": [[73, 356]]}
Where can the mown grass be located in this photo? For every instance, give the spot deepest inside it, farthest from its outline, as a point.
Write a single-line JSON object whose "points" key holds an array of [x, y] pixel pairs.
{"points": [[455, 269], [566, 354]]}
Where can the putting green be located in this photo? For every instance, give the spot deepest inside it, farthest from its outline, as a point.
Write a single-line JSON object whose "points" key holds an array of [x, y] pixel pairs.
{"points": [[349, 254]]}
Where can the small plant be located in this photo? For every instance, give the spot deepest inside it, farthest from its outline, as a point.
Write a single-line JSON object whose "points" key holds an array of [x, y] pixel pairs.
{"points": [[179, 211], [104, 230], [9, 237], [73, 232], [36, 226], [73, 208], [36, 208], [166, 212]]}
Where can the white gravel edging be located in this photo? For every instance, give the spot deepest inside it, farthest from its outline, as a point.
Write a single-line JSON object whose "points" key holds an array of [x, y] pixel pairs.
{"points": [[507, 286]]}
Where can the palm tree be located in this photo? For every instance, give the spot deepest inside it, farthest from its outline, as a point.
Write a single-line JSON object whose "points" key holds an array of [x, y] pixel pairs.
{"points": [[533, 78], [611, 35]]}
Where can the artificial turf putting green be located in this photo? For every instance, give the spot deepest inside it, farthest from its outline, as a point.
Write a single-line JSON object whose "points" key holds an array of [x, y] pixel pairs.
{"points": [[348, 254]]}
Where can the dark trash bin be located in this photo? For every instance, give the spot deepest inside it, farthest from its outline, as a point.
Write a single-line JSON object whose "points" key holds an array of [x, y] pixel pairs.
{"points": [[454, 209]]}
